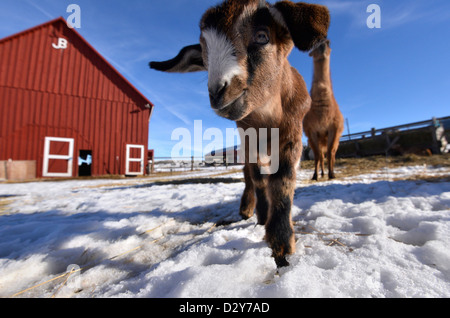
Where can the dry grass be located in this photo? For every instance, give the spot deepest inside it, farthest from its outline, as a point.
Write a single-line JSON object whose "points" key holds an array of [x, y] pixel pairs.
{"points": [[3, 206], [350, 167], [5, 201]]}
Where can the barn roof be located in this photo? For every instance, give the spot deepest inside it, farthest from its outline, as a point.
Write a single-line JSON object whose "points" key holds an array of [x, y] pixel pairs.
{"points": [[103, 61]]}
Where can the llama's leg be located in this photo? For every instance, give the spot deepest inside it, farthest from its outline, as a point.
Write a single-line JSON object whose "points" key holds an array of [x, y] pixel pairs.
{"points": [[318, 163], [316, 169], [279, 228], [248, 201], [315, 148], [333, 145], [322, 165]]}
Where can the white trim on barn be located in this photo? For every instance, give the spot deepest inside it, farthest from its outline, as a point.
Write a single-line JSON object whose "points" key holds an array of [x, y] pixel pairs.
{"points": [[129, 159], [48, 156]]}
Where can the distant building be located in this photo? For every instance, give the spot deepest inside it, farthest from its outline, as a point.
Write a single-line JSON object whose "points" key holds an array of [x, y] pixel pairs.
{"points": [[65, 111], [226, 156]]}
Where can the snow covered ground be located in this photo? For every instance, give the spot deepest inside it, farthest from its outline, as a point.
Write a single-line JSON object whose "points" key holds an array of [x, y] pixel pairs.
{"points": [[363, 236]]}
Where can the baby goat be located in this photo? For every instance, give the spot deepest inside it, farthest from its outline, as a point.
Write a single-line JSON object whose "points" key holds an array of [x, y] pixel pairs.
{"points": [[324, 123], [244, 47]]}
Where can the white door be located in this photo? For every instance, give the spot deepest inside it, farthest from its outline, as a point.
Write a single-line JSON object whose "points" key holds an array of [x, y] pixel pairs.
{"points": [[58, 157], [134, 160]]}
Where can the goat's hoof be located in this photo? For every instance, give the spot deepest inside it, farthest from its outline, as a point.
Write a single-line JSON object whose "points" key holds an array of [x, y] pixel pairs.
{"points": [[280, 250], [247, 208], [281, 261], [245, 215]]}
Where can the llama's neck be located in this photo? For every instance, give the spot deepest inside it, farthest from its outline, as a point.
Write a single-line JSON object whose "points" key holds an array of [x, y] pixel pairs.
{"points": [[322, 72]]}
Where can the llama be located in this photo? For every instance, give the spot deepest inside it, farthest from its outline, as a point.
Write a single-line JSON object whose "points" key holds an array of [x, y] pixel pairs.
{"points": [[324, 122], [244, 47]]}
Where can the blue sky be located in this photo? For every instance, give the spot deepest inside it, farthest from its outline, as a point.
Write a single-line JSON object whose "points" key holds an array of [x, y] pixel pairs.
{"points": [[383, 77]]}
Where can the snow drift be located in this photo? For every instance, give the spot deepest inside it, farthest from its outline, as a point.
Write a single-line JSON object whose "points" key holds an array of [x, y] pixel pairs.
{"points": [[364, 236]]}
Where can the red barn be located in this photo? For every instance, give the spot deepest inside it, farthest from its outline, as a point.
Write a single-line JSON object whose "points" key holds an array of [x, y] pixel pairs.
{"points": [[65, 110]]}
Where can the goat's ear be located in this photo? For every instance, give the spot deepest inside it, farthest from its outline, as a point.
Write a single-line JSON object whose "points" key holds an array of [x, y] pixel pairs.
{"points": [[307, 23], [188, 60]]}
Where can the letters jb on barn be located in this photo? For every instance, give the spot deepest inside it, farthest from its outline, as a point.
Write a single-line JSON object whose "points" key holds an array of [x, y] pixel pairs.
{"points": [[65, 111]]}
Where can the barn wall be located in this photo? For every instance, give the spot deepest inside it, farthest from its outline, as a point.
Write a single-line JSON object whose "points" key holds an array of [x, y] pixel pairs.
{"points": [[70, 93]]}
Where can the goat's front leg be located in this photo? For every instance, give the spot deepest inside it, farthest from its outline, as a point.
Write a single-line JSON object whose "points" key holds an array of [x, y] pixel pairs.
{"points": [[279, 228], [248, 202], [255, 183], [260, 183]]}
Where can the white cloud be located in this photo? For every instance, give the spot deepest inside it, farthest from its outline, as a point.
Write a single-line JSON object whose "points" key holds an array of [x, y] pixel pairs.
{"points": [[42, 10]]}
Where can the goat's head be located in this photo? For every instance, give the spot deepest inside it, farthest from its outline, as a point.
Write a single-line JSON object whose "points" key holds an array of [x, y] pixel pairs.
{"points": [[321, 51], [244, 45]]}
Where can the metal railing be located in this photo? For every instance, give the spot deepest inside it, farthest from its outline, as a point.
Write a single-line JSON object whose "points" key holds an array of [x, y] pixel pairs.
{"points": [[376, 132]]}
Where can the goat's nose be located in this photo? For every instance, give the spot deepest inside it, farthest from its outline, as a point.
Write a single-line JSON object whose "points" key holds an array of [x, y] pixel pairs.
{"points": [[216, 93]]}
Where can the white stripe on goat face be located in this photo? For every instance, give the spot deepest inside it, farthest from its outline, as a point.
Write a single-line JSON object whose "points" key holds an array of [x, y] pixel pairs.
{"points": [[222, 63]]}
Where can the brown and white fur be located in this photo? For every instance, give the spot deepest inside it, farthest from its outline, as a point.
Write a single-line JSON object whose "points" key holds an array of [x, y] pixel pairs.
{"points": [[324, 123], [244, 47]]}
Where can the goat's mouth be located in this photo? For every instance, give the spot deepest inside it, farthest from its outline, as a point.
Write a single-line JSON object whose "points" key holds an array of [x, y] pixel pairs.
{"points": [[234, 109]]}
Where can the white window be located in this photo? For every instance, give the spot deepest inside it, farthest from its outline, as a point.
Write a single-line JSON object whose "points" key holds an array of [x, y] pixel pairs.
{"points": [[58, 157], [134, 160]]}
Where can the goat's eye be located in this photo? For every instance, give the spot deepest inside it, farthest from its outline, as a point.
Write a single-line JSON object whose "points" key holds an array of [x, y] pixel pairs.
{"points": [[261, 37]]}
